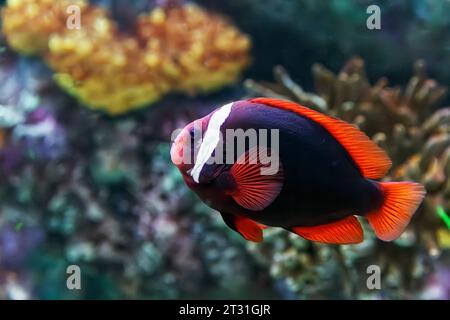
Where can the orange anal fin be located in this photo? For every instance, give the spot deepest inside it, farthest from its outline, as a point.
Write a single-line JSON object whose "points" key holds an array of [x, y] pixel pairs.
{"points": [[257, 183], [401, 200], [345, 231], [249, 229], [371, 160]]}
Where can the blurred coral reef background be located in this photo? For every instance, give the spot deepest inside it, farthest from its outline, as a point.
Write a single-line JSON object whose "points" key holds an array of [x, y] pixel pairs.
{"points": [[86, 117]]}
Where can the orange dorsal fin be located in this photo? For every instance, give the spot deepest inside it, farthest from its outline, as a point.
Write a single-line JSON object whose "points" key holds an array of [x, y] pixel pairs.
{"points": [[345, 231], [401, 200], [371, 160]]}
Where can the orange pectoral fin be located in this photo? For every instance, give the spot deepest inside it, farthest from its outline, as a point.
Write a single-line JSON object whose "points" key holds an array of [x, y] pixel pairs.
{"points": [[255, 190], [345, 231], [371, 160], [249, 229]]}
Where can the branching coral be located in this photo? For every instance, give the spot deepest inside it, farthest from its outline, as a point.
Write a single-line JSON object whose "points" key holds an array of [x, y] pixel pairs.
{"points": [[103, 69], [28, 24], [403, 123], [179, 48], [190, 45]]}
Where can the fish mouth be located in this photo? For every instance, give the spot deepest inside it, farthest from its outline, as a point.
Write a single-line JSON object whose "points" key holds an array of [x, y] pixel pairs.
{"points": [[188, 140]]}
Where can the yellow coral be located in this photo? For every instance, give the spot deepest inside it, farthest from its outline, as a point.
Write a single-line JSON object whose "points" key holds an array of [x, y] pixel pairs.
{"points": [[198, 51], [183, 49], [102, 69], [28, 24]]}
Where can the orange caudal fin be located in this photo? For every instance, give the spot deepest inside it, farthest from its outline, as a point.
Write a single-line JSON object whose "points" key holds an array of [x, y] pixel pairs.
{"points": [[401, 200]]}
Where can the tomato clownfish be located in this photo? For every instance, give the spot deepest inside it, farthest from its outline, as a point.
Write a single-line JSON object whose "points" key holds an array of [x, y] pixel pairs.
{"points": [[326, 174]]}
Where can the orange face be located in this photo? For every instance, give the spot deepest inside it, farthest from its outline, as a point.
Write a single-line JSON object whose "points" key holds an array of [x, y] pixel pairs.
{"points": [[185, 146], [185, 150], [179, 146]]}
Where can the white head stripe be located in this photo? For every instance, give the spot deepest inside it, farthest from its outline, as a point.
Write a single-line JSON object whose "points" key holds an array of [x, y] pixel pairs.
{"points": [[211, 139]]}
